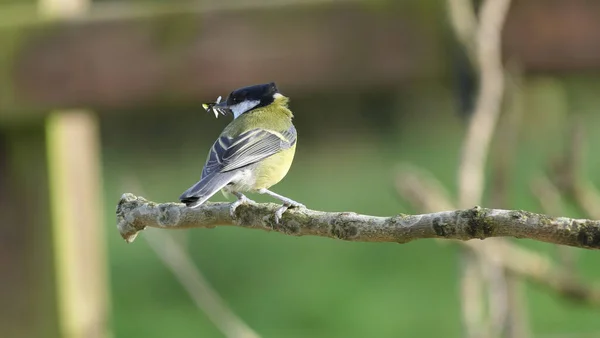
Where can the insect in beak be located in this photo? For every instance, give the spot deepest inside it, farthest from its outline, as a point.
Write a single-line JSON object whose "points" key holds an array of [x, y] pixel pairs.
{"points": [[217, 107]]}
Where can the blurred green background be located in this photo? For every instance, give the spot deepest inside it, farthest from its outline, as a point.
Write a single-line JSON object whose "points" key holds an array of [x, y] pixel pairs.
{"points": [[312, 287], [384, 86]]}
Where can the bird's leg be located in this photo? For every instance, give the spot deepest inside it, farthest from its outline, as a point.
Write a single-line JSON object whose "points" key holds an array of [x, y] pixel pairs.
{"points": [[241, 199], [287, 203]]}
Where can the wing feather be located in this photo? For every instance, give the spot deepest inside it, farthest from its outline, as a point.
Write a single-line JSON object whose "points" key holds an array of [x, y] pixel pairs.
{"points": [[228, 153]]}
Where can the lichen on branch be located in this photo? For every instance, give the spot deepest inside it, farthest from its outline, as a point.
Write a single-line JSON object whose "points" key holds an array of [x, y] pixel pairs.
{"points": [[136, 213]]}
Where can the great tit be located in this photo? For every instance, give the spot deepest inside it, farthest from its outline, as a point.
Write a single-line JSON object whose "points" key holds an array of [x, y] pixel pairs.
{"points": [[254, 152]]}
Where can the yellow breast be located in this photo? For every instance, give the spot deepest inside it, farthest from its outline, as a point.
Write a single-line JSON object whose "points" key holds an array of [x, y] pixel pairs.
{"points": [[274, 168]]}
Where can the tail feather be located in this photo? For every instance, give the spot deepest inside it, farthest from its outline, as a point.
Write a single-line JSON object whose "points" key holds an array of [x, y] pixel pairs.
{"points": [[205, 188]]}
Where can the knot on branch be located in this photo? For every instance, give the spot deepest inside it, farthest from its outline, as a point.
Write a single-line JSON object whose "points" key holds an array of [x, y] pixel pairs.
{"points": [[478, 224], [128, 225], [589, 235], [443, 228]]}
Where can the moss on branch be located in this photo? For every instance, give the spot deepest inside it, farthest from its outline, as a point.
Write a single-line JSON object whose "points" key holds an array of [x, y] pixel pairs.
{"points": [[136, 213]]}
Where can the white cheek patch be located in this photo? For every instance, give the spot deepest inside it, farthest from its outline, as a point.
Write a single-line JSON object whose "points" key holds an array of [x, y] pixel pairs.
{"points": [[242, 107]]}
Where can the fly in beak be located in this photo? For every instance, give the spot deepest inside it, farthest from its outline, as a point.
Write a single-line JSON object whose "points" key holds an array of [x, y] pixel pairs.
{"points": [[217, 108]]}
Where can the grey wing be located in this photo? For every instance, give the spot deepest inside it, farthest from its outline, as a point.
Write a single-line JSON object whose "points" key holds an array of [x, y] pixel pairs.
{"points": [[228, 154], [212, 180], [214, 162]]}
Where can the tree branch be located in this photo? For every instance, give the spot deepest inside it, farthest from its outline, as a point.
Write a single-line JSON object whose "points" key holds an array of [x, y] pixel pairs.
{"points": [[464, 24], [136, 213], [484, 45], [488, 103], [415, 186]]}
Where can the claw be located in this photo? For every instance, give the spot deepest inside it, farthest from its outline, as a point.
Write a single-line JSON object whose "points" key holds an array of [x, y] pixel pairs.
{"points": [[287, 203], [242, 199], [279, 212]]}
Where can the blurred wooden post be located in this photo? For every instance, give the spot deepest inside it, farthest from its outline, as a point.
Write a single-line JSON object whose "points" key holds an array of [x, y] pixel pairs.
{"points": [[79, 246], [73, 151]]}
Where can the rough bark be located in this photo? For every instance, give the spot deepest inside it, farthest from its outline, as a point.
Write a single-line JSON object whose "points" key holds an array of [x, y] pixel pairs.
{"points": [[136, 213]]}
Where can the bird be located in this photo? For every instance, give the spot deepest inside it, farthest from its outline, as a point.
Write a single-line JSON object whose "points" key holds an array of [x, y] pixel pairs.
{"points": [[254, 152]]}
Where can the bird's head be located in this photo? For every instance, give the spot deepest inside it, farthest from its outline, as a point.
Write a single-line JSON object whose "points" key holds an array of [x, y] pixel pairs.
{"points": [[245, 99]]}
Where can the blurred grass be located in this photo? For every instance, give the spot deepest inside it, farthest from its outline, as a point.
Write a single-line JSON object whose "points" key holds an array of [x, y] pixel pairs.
{"points": [[313, 287]]}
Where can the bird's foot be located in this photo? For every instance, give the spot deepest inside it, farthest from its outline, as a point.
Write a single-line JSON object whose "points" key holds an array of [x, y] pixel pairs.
{"points": [[286, 205], [242, 199]]}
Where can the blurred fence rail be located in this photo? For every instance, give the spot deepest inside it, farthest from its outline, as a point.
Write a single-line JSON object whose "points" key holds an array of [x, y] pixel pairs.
{"points": [[127, 54]]}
